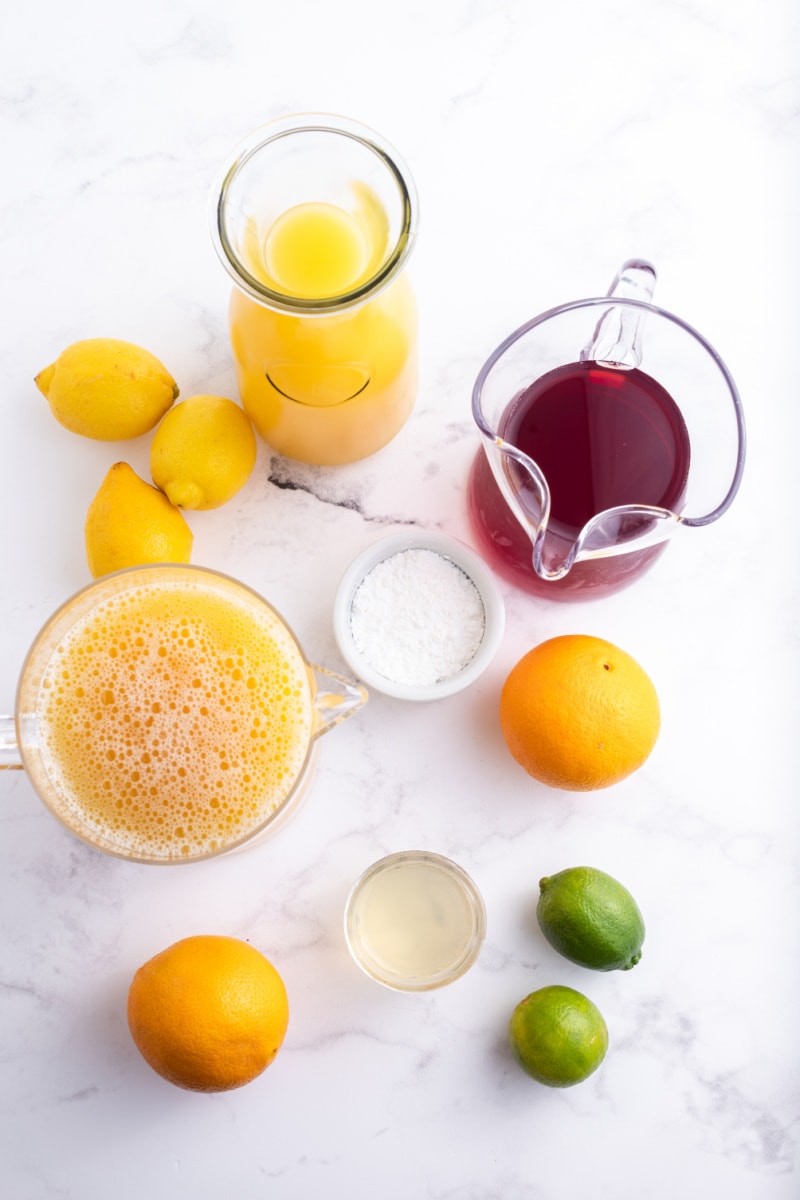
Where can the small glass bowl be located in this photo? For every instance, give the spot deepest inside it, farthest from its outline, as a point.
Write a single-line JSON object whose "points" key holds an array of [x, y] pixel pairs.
{"points": [[414, 921], [461, 556]]}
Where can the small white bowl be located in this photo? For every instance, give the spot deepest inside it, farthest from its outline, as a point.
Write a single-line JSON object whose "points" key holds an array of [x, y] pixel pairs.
{"points": [[461, 556]]}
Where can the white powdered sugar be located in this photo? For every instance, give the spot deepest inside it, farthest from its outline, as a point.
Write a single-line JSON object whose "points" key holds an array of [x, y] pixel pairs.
{"points": [[417, 618]]}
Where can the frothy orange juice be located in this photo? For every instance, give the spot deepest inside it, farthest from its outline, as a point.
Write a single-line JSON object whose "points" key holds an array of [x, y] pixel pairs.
{"points": [[175, 719]]}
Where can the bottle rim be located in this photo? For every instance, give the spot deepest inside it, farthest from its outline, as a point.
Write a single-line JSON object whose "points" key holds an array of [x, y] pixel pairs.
{"points": [[303, 123]]}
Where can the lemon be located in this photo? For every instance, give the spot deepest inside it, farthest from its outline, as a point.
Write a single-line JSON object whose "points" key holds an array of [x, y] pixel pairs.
{"points": [[558, 1036], [591, 919], [203, 452], [130, 523], [107, 389]]}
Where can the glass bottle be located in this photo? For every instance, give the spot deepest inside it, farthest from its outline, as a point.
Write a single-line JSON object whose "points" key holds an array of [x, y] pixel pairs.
{"points": [[314, 220]]}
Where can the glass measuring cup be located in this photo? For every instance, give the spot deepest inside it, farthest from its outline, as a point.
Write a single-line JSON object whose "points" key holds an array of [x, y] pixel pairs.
{"points": [[167, 714], [314, 220], [607, 425]]}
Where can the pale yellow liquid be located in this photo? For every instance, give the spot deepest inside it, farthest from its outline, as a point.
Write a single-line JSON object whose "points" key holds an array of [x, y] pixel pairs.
{"points": [[325, 389], [174, 720], [315, 250], [412, 921]]}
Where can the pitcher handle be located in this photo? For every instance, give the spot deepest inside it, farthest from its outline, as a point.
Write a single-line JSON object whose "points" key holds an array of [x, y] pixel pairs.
{"points": [[336, 698], [10, 759], [617, 337]]}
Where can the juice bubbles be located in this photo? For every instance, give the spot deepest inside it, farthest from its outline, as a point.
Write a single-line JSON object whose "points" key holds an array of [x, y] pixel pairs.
{"points": [[174, 720], [603, 438], [314, 223]]}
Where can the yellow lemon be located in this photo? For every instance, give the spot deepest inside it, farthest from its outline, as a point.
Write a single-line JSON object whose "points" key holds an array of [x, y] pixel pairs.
{"points": [[130, 523], [107, 389], [203, 452]]}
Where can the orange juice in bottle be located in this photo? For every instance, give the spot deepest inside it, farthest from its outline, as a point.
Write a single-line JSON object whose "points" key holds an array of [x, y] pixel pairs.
{"points": [[314, 222]]}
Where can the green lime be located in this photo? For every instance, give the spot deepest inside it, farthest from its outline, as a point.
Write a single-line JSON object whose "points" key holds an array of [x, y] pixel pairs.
{"points": [[558, 1036], [591, 919]]}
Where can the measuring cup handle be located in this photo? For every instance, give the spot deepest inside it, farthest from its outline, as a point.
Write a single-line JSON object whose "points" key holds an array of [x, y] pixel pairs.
{"points": [[335, 698], [618, 334], [9, 747]]}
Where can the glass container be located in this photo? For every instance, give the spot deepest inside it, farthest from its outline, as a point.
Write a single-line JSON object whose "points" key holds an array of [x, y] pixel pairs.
{"points": [[314, 220]]}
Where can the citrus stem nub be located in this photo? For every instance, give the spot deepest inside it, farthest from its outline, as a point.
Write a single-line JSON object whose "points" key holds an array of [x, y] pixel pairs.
{"points": [[45, 378], [184, 495]]}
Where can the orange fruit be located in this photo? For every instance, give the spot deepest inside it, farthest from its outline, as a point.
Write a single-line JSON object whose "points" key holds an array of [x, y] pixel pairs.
{"points": [[208, 1013], [578, 713]]}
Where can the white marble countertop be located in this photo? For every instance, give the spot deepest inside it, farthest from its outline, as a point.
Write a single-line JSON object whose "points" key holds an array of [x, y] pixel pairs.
{"points": [[548, 143]]}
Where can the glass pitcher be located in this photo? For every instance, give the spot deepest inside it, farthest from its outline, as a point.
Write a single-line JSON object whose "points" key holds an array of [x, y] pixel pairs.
{"points": [[607, 425], [314, 220], [167, 714]]}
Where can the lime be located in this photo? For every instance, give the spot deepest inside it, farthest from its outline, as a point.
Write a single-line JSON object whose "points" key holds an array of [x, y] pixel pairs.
{"points": [[558, 1036], [591, 919]]}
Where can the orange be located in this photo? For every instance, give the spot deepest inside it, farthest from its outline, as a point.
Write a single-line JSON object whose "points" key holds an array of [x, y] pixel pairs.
{"points": [[578, 713], [208, 1013]]}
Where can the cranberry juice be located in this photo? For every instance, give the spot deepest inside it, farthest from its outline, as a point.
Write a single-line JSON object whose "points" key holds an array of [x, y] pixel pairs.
{"points": [[603, 437]]}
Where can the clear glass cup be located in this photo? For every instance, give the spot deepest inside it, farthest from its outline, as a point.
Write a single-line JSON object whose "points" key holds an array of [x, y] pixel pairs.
{"points": [[606, 425], [414, 921], [167, 714], [314, 219]]}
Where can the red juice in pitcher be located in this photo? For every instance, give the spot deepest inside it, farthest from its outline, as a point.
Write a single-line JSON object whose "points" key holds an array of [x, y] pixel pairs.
{"points": [[603, 437]]}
